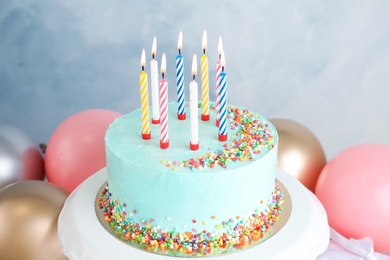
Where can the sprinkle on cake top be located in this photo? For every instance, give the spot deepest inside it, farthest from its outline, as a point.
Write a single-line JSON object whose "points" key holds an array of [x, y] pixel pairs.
{"points": [[250, 136]]}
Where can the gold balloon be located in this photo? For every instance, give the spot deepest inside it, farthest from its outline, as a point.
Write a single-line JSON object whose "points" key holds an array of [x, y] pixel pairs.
{"points": [[300, 154], [28, 220]]}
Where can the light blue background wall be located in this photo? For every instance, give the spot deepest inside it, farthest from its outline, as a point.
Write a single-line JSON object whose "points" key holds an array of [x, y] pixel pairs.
{"points": [[325, 64]]}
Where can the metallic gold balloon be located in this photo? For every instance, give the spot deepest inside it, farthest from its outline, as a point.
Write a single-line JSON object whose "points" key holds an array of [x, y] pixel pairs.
{"points": [[28, 220], [300, 153], [19, 159]]}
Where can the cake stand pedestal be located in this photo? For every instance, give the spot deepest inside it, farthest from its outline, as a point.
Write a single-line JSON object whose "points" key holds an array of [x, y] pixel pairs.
{"points": [[304, 236]]}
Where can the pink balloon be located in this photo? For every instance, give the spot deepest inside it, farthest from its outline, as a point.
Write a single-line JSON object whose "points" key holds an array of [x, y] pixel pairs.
{"points": [[76, 149], [33, 160], [354, 188]]}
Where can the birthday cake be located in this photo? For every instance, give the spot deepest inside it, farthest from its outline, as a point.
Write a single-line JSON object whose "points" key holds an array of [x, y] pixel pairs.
{"points": [[192, 202]]}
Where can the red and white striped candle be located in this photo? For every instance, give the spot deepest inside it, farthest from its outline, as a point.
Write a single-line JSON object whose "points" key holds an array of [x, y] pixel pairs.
{"points": [[164, 140], [154, 77]]}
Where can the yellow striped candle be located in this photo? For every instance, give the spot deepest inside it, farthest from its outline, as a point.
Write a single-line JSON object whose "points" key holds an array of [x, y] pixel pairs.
{"points": [[143, 80], [204, 63]]}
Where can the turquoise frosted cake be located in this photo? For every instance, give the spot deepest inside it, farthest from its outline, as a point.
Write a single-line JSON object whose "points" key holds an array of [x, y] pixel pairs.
{"points": [[180, 200]]}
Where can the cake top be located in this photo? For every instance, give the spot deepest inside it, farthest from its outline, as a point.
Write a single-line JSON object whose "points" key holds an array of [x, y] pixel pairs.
{"points": [[250, 137]]}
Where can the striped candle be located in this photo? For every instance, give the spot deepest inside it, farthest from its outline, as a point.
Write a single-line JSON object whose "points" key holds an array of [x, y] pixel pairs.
{"points": [[143, 78], [154, 74], [181, 113], [204, 63], [194, 142], [222, 133], [217, 75], [164, 140]]}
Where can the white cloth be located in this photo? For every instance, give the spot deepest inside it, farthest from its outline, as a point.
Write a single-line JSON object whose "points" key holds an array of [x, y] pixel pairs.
{"points": [[352, 249]]}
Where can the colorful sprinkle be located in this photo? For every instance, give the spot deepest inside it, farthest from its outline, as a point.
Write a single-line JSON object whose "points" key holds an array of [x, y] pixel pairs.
{"points": [[251, 137], [242, 233]]}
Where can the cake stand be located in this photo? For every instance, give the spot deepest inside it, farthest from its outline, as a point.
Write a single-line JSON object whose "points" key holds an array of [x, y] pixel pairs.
{"points": [[305, 235]]}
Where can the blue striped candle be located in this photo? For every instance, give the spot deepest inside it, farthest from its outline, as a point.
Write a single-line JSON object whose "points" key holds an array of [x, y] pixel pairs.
{"points": [[181, 112], [222, 106], [218, 72]]}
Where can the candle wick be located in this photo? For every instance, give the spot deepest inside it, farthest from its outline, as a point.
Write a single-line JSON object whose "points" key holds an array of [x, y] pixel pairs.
{"points": [[153, 56], [162, 74], [179, 52], [193, 77], [219, 56], [223, 68], [204, 51], [143, 68]]}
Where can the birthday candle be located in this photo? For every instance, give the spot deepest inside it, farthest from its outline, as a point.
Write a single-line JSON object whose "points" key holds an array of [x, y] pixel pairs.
{"points": [[222, 134], [154, 74], [194, 142], [218, 72], [205, 80], [164, 140], [143, 78], [181, 113]]}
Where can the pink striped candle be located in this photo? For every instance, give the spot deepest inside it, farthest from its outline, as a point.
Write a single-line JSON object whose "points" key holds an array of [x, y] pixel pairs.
{"points": [[217, 75], [155, 95], [164, 140]]}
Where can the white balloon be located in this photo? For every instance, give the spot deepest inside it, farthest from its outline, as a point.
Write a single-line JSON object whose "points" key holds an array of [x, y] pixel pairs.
{"points": [[19, 159]]}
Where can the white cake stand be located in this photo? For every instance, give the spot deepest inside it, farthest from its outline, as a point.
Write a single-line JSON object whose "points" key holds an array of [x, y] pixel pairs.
{"points": [[304, 236]]}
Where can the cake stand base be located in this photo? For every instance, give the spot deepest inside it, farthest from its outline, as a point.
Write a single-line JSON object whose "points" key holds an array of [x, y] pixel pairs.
{"points": [[82, 236]]}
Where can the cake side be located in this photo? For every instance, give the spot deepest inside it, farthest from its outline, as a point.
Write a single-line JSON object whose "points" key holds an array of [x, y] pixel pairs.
{"points": [[193, 202]]}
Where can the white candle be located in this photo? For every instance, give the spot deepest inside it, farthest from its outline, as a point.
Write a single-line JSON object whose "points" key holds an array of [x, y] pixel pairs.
{"points": [[194, 143], [155, 94]]}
